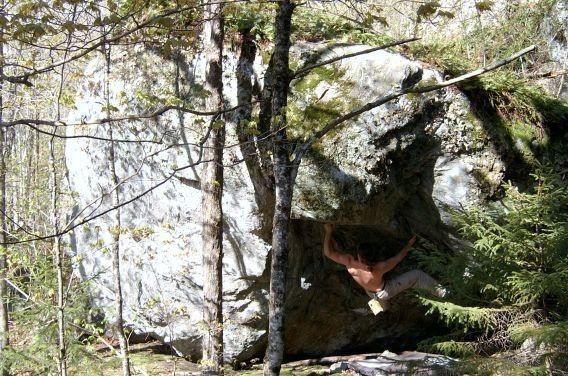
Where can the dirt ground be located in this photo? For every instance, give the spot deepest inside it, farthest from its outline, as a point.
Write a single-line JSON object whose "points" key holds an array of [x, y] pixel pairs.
{"points": [[154, 359]]}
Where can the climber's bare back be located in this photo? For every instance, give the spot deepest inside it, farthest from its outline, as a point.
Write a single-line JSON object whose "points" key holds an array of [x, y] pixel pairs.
{"points": [[367, 275]]}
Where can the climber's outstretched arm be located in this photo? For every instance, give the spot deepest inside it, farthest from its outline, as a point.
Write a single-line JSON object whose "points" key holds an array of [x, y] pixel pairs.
{"points": [[330, 250], [392, 262]]}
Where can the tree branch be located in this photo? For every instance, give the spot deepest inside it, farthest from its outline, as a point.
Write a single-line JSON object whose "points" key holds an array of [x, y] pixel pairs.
{"points": [[24, 78], [138, 117], [306, 70], [475, 73], [71, 226]]}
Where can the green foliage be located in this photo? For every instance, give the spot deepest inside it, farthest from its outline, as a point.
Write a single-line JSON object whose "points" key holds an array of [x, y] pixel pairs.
{"points": [[465, 317], [489, 366], [517, 114], [520, 28], [428, 9], [545, 334], [521, 247], [313, 25], [518, 101], [255, 17], [454, 348], [483, 5], [308, 24], [510, 283], [520, 116], [316, 26], [141, 232], [34, 333]]}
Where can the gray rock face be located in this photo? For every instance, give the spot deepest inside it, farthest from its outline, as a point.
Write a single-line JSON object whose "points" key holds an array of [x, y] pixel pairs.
{"points": [[415, 153], [161, 231], [395, 169], [555, 29]]}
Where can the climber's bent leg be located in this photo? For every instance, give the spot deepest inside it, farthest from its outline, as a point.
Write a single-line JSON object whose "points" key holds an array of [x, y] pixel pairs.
{"points": [[412, 279]]}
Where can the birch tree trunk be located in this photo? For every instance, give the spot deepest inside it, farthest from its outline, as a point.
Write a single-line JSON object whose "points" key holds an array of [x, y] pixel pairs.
{"points": [[118, 302], [212, 192], [282, 177]]}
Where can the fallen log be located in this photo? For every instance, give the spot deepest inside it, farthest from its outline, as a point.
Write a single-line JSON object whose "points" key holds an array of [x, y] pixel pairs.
{"points": [[329, 360]]}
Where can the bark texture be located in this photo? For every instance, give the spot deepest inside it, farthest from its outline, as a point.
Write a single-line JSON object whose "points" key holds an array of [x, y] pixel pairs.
{"points": [[283, 183], [119, 322], [212, 192], [118, 303], [4, 330], [58, 260], [253, 148]]}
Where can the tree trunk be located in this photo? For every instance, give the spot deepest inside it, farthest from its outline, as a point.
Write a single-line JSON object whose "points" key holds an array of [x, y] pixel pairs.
{"points": [[252, 148], [119, 323], [212, 192], [58, 260], [282, 176], [4, 330], [118, 303], [275, 351]]}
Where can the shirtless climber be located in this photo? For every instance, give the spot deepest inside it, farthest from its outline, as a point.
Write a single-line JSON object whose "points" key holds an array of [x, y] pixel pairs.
{"points": [[370, 275]]}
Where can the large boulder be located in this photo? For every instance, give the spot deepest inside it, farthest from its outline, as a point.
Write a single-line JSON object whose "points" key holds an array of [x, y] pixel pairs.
{"points": [[396, 169]]}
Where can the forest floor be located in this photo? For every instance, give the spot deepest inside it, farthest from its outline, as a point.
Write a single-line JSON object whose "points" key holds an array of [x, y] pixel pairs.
{"points": [[155, 359]]}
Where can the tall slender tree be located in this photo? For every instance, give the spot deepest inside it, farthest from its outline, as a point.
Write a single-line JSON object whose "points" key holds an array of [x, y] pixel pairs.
{"points": [[4, 330], [255, 150], [212, 192], [58, 258], [116, 231], [58, 250], [283, 188]]}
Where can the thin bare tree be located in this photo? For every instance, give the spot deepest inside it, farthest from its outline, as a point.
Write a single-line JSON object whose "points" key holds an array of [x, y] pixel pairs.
{"points": [[212, 192], [58, 254], [117, 228], [4, 329]]}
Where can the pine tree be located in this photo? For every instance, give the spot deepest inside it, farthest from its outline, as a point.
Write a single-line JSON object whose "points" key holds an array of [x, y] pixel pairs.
{"points": [[511, 284]]}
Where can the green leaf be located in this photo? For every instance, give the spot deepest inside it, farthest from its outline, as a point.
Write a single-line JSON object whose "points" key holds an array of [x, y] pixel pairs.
{"points": [[428, 9], [3, 21], [446, 14], [483, 5], [165, 22], [382, 20], [69, 26]]}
